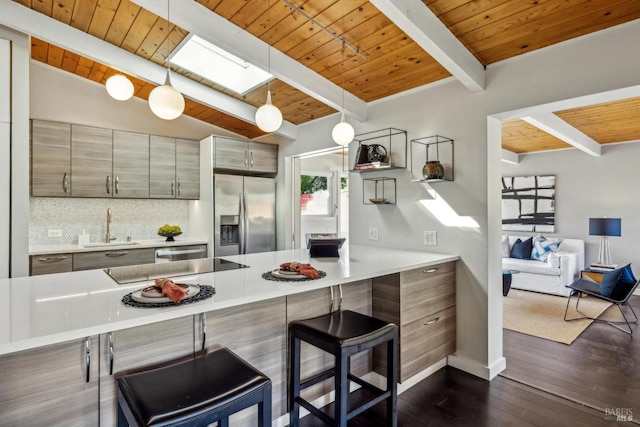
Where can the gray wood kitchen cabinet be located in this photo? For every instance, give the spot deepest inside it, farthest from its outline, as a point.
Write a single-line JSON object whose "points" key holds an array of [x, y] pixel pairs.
{"points": [[187, 169], [130, 165], [139, 348], [174, 168], [245, 156], [48, 264], [50, 159], [422, 303], [113, 258], [91, 161], [261, 342], [51, 386]]}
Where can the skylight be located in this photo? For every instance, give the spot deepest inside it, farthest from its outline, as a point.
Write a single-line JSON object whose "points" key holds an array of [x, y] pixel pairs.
{"points": [[217, 65]]}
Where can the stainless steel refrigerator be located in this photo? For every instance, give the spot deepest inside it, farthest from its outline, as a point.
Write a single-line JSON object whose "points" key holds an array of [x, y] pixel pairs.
{"points": [[244, 214]]}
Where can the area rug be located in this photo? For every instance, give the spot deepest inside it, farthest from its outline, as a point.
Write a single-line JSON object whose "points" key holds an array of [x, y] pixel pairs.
{"points": [[542, 315]]}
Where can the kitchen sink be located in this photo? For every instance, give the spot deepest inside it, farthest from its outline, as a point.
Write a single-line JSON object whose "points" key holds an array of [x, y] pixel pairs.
{"points": [[108, 245]]}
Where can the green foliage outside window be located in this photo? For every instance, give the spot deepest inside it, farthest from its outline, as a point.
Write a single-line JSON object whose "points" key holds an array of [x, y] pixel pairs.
{"points": [[312, 184]]}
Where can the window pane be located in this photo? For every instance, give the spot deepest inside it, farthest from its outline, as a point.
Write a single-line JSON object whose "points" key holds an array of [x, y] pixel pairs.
{"points": [[315, 197]]}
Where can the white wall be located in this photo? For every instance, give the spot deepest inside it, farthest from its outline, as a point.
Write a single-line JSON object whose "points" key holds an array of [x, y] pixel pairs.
{"points": [[5, 153], [580, 67], [589, 187]]}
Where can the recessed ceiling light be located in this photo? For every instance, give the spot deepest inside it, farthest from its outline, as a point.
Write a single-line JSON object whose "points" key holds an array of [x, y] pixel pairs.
{"points": [[218, 66]]}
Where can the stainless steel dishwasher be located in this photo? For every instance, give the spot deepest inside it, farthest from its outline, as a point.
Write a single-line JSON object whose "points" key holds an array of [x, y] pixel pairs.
{"points": [[178, 253]]}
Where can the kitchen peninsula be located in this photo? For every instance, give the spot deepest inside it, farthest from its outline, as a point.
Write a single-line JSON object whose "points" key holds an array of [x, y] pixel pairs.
{"points": [[63, 320]]}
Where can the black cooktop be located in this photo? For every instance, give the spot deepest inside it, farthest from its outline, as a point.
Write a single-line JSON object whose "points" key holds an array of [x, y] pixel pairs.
{"points": [[143, 272]]}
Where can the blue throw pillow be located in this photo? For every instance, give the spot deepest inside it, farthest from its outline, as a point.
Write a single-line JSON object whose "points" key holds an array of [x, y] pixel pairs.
{"points": [[609, 281], [522, 250]]}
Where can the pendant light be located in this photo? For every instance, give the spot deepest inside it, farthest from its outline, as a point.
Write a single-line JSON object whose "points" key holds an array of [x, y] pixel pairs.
{"points": [[119, 87], [343, 132], [165, 101], [269, 117]]}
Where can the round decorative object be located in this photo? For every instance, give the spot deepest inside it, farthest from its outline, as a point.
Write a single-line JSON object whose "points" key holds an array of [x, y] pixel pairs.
{"points": [[169, 236], [119, 87], [343, 132], [376, 153], [268, 117], [433, 169]]}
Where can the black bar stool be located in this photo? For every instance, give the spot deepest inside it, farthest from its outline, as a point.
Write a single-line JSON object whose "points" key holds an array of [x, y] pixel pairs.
{"points": [[196, 392], [343, 333]]}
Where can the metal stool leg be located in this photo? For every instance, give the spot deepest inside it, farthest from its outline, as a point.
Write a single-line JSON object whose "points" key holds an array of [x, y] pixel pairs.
{"points": [[294, 380], [341, 388]]}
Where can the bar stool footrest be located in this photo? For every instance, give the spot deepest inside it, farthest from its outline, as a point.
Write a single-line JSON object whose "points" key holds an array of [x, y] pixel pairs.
{"points": [[358, 401], [317, 378]]}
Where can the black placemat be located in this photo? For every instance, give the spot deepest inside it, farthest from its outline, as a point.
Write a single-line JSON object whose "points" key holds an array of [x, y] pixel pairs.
{"points": [[270, 276], [206, 291]]}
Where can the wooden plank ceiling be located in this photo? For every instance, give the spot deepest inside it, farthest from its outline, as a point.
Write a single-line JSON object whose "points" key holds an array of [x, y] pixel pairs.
{"points": [[492, 30]]}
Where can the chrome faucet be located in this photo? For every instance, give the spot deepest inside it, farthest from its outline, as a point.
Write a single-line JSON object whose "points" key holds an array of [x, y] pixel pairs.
{"points": [[108, 237]]}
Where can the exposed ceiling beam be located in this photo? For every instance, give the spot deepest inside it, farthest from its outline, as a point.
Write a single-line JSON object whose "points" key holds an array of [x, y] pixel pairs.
{"points": [[417, 20], [510, 157], [197, 19], [35, 24], [562, 130]]}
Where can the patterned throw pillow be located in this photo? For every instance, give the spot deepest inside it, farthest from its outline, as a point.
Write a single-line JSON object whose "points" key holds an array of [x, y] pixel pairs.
{"points": [[542, 247]]}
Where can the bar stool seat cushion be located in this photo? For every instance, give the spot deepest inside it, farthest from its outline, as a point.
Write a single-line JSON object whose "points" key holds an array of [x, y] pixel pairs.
{"points": [[188, 389], [344, 328]]}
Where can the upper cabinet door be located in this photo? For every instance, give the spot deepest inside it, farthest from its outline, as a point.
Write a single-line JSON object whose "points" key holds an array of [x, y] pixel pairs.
{"points": [[187, 169], [231, 154], [263, 157], [130, 165], [91, 162], [50, 159], [162, 163]]}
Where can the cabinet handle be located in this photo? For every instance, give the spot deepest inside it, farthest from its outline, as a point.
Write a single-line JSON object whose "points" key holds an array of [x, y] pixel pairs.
{"points": [[116, 183], [65, 183], [108, 184], [179, 187], [203, 322], [246, 158], [173, 187], [430, 270], [110, 353], [339, 305], [432, 321], [52, 259], [87, 352], [116, 254], [251, 156]]}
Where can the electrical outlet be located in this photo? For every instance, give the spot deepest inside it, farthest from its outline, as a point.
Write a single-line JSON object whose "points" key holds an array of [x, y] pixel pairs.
{"points": [[55, 233], [373, 233], [429, 238]]}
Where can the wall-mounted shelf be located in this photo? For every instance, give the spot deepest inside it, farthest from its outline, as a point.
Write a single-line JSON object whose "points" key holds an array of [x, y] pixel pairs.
{"points": [[379, 191], [432, 159], [383, 149]]}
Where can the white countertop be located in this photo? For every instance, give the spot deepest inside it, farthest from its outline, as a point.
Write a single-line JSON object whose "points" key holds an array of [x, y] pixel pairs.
{"points": [[41, 310], [139, 244]]}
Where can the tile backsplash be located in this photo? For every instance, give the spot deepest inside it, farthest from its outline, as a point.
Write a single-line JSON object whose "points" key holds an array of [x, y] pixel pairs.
{"points": [[139, 219]]}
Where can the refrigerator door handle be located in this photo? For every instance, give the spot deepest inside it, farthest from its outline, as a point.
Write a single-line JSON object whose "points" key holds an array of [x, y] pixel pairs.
{"points": [[245, 220], [241, 225]]}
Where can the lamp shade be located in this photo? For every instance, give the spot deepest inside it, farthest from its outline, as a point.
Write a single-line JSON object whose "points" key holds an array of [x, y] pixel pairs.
{"points": [[605, 227], [119, 87], [268, 117], [343, 132], [166, 102]]}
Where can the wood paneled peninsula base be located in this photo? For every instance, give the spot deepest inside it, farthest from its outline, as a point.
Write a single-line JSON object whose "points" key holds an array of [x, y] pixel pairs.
{"points": [[64, 337]]}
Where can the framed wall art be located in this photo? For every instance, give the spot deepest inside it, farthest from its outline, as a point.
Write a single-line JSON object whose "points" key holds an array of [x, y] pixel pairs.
{"points": [[528, 203]]}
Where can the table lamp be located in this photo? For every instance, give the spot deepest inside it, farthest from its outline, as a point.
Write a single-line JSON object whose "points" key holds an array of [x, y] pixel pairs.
{"points": [[604, 227]]}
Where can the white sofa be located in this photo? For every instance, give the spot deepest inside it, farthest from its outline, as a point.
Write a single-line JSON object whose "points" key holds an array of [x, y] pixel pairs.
{"points": [[551, 277]]}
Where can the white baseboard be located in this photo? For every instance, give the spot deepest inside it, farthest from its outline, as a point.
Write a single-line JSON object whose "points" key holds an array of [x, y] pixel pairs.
{"points": [[475, 368]]}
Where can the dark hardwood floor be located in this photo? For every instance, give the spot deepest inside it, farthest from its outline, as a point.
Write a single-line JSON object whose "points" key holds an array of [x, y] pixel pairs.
{"points": [[545, 384]]}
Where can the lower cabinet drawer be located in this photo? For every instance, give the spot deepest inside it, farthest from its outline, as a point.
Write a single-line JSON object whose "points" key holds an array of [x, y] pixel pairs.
{"points": [[426, 341], [47, 264], [115, 258]]}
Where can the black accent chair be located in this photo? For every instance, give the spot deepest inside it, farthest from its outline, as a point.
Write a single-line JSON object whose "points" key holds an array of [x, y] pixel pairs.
{"points": [[620, 297]]}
